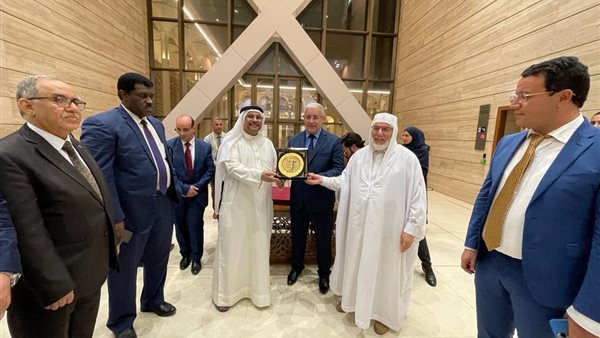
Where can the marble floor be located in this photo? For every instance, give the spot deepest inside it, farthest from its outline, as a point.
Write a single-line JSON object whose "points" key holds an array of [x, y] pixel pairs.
{"points": [[447, 310]]}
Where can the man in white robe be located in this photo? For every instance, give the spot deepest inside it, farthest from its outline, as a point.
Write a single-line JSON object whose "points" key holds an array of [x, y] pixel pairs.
{"points": [[244, 205], [380, 220]]}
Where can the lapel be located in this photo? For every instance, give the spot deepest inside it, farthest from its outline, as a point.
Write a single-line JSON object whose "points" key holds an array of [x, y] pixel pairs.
{"points": [[198, 156], [91, 164], [136, 130], [160, 131], [579, 141], [501, 161], [179, 156], [54, 157]]}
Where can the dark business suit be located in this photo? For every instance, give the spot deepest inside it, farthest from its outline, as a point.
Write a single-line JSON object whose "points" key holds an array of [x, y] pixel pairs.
{"points": [[65, 236], [119, 147], [561, 236], [314, 204], [10, 260], [189, 214]]}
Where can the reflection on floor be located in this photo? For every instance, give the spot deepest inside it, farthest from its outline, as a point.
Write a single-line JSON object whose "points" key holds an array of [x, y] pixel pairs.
{"points": [[447, 310]]}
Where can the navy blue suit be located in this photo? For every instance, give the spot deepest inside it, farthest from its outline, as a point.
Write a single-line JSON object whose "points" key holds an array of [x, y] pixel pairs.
{"points": [[119, 147], [314, 204], [561, 239], [10, 260], [189, 214]]}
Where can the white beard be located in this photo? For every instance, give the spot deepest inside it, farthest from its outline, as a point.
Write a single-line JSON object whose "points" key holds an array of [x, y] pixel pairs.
{"points": [[380, 147]]}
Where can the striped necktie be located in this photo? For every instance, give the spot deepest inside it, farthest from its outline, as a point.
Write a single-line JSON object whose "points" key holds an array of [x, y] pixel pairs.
{"points": [[158, 159], [83, 170]]}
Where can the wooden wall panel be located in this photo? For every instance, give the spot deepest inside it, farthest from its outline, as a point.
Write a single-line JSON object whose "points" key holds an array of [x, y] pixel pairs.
{"points": [[85, 43], [455, 56]]}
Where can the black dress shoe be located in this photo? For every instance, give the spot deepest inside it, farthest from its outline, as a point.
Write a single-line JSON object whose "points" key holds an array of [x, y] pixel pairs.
{"points": [[324, 285], [293, 277], [127, 333], [164, 310], [184, 263], [196, 267], [429, 275]]}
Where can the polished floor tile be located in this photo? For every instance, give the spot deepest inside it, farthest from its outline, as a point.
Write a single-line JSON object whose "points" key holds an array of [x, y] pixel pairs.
{"points": [[447, 310]]}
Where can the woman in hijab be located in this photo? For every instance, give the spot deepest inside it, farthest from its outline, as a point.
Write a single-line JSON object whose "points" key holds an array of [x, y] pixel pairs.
{"points": [[414, 139]]}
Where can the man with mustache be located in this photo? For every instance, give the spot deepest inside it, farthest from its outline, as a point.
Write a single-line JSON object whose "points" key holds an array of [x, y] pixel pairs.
{"points": [[129, 145], [245, 211], [61, 210]]}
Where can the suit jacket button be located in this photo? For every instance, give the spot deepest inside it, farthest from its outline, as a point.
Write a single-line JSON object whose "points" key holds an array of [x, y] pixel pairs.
{"points": [[106, 233]]}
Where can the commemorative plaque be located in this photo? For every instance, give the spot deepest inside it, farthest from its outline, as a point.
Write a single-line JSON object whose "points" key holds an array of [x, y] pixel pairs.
{"points": [[292, 163]]}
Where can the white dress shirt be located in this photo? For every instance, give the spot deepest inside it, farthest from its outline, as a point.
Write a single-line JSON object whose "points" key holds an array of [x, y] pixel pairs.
{"points": [[161, 146], [57, 143]]}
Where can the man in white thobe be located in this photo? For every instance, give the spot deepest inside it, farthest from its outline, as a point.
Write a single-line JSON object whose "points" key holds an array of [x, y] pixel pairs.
{"points": [[244, 207], [380, 220]]}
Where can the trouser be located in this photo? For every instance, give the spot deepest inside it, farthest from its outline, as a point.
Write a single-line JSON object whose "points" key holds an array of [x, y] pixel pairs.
{"points": [[322, 223], [149, 244], [505, 303], [190, 227], [27, 319]]}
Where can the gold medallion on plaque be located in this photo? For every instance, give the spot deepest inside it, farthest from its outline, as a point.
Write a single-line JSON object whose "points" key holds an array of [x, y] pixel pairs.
{"points": [[291, 163]]}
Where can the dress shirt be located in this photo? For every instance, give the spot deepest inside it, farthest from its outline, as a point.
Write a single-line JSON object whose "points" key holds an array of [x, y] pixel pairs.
{"points": [[161, 146], [212, 140], [545, 154], [57, 143], [307, 140]]}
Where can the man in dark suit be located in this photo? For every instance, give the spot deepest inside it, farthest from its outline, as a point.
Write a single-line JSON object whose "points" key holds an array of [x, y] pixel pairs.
{"points": [[130, 147], [10, 260], [193, 165], [61, 209], [314, 204], [533, 240]]}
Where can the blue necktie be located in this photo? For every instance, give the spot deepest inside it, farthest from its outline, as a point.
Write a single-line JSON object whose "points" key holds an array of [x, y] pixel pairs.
{"points": [[311, 142], [160, 162]]}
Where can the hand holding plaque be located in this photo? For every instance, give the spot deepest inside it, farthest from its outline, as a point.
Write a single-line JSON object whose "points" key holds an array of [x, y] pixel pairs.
{"points": [[292, 163]]}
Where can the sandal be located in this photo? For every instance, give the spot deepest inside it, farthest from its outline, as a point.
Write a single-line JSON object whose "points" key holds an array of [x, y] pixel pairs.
{"points": [[222, 308]]}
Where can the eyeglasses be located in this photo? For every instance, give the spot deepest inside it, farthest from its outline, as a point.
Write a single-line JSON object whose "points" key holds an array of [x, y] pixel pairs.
{"points": [[185, 130], [61, 101], [523, 97]]}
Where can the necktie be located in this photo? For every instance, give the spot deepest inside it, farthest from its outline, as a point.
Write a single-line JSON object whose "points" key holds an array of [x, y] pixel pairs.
{"points": [[188, 162], [218, 141], [495, 221], [83, 170], [160, 162], [311, 142]]}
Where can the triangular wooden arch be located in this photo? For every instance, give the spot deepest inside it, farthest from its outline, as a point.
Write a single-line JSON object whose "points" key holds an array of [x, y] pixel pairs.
{"points": [[276, 22]]}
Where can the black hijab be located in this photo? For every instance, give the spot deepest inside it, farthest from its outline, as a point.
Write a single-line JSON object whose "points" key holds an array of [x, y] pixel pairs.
{"points": [[419, 148]]}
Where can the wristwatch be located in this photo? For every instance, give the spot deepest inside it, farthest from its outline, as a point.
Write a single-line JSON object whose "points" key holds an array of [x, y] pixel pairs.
{"points": [[14, 277]]}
